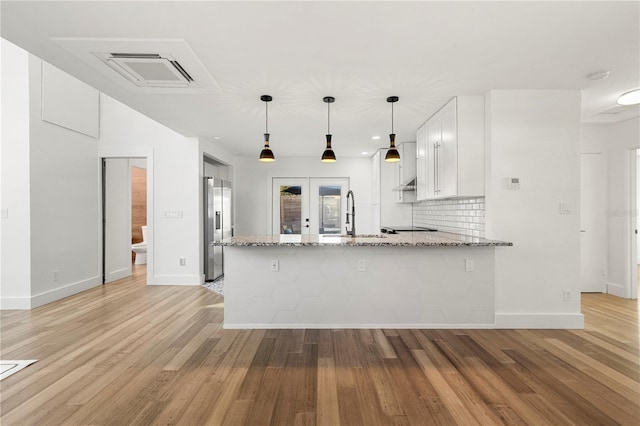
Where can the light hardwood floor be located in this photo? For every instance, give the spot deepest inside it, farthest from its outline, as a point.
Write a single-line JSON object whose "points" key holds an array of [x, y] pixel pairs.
{"points": [[127, 353]]}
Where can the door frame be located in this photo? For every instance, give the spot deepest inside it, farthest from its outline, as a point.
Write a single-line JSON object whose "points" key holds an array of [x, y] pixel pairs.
{"points": [[631, 290], [130, 152]]}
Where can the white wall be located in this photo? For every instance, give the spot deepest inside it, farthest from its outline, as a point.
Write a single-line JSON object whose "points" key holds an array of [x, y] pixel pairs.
{"points": [[252, 182], [15, 229], [534, 135], [65, 205], [174, 167]]}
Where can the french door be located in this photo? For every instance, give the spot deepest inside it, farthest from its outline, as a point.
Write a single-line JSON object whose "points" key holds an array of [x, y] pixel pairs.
{"points": [[309, 205]]}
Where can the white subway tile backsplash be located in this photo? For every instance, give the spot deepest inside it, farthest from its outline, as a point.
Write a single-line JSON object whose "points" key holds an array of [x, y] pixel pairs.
{"points": [[464, 216]]}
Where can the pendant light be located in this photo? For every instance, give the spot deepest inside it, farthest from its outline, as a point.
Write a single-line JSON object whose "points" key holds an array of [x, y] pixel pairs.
{"points": [[266, 155], [328, 156], [392, 153]]}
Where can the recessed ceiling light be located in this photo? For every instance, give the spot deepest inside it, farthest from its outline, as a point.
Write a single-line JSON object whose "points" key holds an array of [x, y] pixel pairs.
{"points": [[216, 138], [375, 138], [365, 153], [631, 97], [600, 75]]}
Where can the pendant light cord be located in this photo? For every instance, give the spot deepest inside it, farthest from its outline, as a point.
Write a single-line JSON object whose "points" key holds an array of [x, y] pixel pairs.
{"points": [[266, 117], [392, 117], [328, 117]]}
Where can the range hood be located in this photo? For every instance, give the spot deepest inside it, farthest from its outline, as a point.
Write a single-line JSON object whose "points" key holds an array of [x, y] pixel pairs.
{"points": [[407, 186]]}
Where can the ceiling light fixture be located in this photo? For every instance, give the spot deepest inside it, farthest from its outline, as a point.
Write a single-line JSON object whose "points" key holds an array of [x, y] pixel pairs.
{"points": [[392, 153], [328, 155], [266, 155], [375, 138], [600, 75], [631, 97]]}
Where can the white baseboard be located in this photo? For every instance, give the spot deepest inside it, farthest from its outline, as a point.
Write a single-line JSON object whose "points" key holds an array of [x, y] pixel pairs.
{"points": [[345, 326], [20, 303], [540, 320], [64, 291], [117, 275], [176, 280], [615, 289]]}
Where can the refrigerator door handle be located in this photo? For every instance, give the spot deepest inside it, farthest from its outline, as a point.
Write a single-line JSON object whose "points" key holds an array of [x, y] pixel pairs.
{"points": [[218, 224]]}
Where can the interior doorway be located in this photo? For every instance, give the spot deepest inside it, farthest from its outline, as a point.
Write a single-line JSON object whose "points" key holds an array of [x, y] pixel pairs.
{"points": [[303, 206], [124, 216]]}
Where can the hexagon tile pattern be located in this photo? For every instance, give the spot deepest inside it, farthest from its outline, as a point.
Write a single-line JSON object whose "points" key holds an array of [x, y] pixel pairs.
{"points": [[321, 287]]}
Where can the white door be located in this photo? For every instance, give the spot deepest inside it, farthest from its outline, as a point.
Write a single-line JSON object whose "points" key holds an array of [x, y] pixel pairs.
{"points": [[303, 206], [422, 191], [328, 208], [117, 219], [434, 138], [448, 152], [592, 224]]}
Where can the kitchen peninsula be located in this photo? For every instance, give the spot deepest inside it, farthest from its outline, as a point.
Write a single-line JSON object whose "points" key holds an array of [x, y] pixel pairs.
{"points": [[409, 280]]}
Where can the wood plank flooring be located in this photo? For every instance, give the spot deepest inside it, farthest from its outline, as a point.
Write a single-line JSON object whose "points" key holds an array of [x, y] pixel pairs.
{"points": [[127, 353]]}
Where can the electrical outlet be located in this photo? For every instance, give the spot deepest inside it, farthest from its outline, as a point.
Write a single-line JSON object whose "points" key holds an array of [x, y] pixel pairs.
{"points": [[362, 265], [566, 295], [183, 261], [54, 275], [469, 265], [275, 265]]}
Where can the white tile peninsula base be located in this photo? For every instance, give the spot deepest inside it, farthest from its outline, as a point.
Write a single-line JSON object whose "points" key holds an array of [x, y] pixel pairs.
{"points": [[325, 287]]}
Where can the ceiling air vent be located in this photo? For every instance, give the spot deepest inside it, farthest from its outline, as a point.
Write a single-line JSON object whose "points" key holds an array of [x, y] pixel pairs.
{"points": [[148, 69]]}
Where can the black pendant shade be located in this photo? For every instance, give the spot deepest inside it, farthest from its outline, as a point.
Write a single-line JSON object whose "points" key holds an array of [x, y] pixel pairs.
{"points": [[328, 156], [392, 153], [266, 155]]}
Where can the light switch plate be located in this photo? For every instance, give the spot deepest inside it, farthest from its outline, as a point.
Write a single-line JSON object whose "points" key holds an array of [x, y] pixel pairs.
{"points": [[566, 208]]}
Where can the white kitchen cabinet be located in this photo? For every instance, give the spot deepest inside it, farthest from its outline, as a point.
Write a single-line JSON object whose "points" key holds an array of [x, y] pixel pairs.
{"points": [[375, 178], [450, 151], [421, 163], [385, 210], [406, 173]]}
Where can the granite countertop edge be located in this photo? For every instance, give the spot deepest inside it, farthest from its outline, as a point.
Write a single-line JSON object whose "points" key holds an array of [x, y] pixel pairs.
{"points": [[422, 239]]}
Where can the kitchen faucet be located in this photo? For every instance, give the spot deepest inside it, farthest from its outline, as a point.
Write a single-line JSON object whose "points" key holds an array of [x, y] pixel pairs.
{"points": [[353, 214]]}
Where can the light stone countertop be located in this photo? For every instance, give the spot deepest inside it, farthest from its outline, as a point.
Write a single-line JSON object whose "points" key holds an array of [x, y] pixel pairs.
{"points": [[404, 239]]}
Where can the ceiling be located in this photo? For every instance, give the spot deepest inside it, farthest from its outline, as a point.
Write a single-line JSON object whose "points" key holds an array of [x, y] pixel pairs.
{"points": [[359, 52]]}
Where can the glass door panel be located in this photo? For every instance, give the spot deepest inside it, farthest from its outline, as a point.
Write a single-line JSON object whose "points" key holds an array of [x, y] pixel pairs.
{"points": [[290, 206], [328, 205], [303, 206]]}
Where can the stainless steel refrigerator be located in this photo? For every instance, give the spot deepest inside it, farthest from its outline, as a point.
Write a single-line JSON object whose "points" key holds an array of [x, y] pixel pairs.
{"points": [[217, 216]]}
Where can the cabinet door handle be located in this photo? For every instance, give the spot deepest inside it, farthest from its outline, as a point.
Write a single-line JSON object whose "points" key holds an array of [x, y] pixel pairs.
{"points": [[435, 168]]}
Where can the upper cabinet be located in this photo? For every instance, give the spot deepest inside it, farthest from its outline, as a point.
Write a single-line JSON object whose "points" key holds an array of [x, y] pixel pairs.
{"points": [[405, 189], [450, 151], [385, 209]]}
